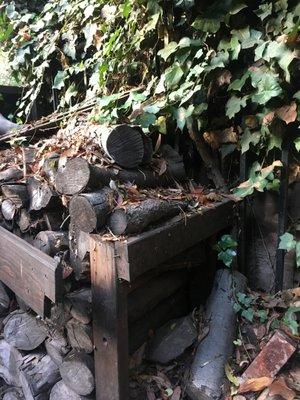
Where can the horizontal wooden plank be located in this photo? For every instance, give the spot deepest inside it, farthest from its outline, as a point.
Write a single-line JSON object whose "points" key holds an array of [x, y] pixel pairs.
{"points": [[29, 273], [139, 254]]}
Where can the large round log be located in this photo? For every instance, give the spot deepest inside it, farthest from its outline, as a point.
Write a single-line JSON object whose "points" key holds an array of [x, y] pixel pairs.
{"points": [[77, 372], [40, 194], [38, 375], [51, 243], [123, 144], [90, 211], [24, 331], [61, 391], [18, 194], [75, 177], [207, 372], [135, 218], [80, 336]]}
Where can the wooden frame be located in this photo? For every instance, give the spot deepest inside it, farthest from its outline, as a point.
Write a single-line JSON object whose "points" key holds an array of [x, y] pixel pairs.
{"points": [[115, 264]]}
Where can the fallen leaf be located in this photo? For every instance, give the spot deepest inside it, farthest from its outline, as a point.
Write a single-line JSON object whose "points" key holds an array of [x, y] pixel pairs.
{"points": [[255, 384], [176, 393], [268, 118], [287, 113], [279, 387]]}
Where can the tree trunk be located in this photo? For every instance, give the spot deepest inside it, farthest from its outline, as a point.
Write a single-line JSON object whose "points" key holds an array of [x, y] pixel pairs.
{"points": [[90, 211], [51, 243], [207, 372], [135, 218], [123, 144], [77, 372]]}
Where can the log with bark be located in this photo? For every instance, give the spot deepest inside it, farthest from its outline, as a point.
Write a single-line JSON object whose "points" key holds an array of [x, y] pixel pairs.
{"points": [[80, 336], [24, 331], [77, 372], [90, 211], [13, 394], [135, 218], [38, 375], [123, 144], [11, 174], [207, 371], [51, 243], [10, 361], [18, 194], [56, 348]]}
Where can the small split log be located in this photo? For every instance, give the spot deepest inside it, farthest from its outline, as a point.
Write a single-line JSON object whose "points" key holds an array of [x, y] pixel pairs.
{"points": [[13, 394], [11, 174], [8, 209], [24, 220], [24, 331], [80, 336], [77, 372], [51, 243], [123, 144], [40, 194], [18, 194], [136, 218], [207, 372], [75, 177], [38, 375], [56, 348], [10, 361], [61, 391], [90, 211], [81, 305]]}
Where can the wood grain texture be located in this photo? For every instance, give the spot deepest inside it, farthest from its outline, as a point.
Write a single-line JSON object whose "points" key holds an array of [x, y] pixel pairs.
{"points": [[141, 253], [35, 277], [110, 325]]}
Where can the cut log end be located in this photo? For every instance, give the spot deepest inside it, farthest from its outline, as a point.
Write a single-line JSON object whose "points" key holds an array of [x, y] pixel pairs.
{"points": [[73, 178]]}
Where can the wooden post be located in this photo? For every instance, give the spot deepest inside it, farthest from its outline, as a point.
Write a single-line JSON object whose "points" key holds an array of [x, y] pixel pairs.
{"points": [[110, 325]]}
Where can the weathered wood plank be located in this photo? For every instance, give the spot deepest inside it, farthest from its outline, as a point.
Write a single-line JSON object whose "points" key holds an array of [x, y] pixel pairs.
{"points": [[110, 326], [141, 253], [35, 277]]}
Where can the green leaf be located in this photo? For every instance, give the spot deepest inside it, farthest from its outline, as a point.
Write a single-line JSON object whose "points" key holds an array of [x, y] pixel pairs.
{"points": [[297, 95], [70, 93], [168, 50], [146, 119], [248, 314], [173, 75], [297, 143], [267, 86], [290, 319], [181, 114], [206, 24], [238, 84], [264, 10], [234, 105], [284, 62], [287, 242], [262, 315], [227, 257], [237, 8], [88, 12], [298, 254], [59, 80], [227, 242], [89, 31], [247, 138]]}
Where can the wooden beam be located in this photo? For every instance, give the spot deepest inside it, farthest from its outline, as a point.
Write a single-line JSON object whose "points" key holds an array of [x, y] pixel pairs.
{"points": [[139, 254], [31, 274], [110, 325]]}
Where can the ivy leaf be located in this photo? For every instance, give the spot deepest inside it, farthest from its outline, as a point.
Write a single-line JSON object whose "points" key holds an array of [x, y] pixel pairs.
{"points": [[248, 138], [297, 143], [146, 119], [59, 80], [287, 242], [252, 39], [89, 31], [210, 25], [182, 114], [237, 8], [298, 254], [71, 92], [168, 50], [173, 75], [287, 113], [267, 86], [264, 10], [285, 61], [88, 12], [234, 105], [227, 256], [238, 84], [248, 314]]}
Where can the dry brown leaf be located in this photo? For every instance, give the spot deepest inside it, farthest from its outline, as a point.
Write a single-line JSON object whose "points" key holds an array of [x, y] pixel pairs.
{"points": [[279, 387], [216, 138], [255, 384], [268, 118], [150, 395], [287, 113], [176, 393]]}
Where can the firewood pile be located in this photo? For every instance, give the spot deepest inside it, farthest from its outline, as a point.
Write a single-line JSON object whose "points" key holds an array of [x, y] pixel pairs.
{"points": [[84, 179]]}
